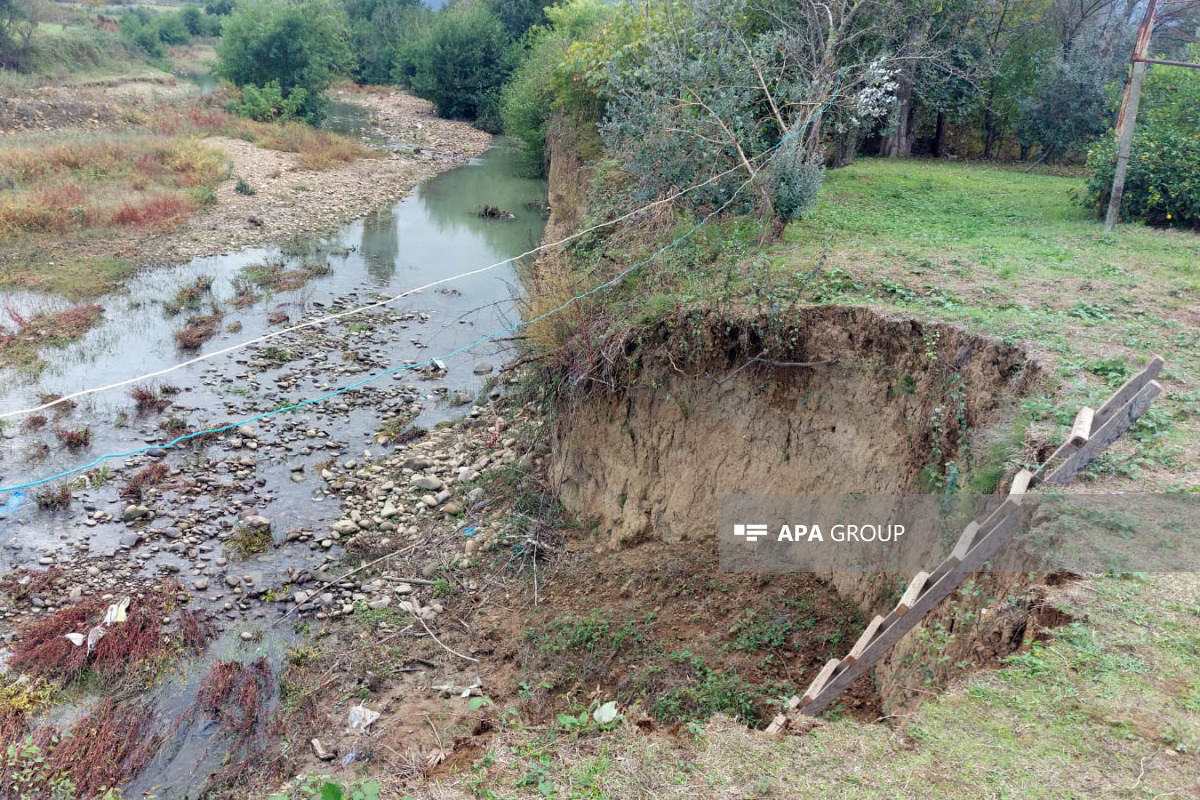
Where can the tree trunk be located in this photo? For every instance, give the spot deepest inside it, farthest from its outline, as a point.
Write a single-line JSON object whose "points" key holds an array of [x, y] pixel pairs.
{"points": [[1025, 152], [989, 133], [939, 136]]}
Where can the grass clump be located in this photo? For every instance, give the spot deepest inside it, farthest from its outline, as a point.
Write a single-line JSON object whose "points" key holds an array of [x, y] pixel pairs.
{"points": [[198, 330], [246, 541]]}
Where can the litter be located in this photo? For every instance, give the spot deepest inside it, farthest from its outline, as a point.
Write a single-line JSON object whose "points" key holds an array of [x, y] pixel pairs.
{"points": [[14, 501], [471, 531], [361, 718], [94, 636], [74, 638], [116, 611]]}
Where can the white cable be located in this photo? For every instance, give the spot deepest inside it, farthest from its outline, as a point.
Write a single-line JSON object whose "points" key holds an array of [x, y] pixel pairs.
{"points": [[378, 304]]}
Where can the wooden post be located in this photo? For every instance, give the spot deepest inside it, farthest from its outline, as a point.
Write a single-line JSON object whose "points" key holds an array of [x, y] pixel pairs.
{"points": [[1127, 118]]}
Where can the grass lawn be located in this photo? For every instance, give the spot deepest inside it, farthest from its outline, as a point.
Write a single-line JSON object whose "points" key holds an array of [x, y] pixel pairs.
{"points": [[1012, 255]]}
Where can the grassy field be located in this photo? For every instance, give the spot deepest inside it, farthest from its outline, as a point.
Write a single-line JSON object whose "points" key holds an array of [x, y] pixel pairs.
{"points": [[1106, 705]]}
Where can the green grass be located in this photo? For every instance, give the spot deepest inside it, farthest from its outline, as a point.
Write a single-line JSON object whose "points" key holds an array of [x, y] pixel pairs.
{"points": [[1105, 708], [74, 278]]}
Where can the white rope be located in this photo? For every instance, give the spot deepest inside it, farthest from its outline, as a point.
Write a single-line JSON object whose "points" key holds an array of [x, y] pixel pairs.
{"points": [[378, 304]]}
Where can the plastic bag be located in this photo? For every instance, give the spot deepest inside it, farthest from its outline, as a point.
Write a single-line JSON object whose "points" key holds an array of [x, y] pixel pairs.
{"points": [[116, 611], [361, 718]]}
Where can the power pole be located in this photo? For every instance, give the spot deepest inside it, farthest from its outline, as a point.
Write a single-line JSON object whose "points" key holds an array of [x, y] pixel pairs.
{"points": [[1127, 118]]}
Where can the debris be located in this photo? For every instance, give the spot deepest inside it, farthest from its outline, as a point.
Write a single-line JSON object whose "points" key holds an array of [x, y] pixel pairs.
{"points": [[361, 718], [322, 753], [116, 611], [14, 501]]}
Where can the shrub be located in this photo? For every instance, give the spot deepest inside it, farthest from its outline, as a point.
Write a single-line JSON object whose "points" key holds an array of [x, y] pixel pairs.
{"points": [[460, 63], [379, 30], [267, 103], [543, 85], [302, 46]]}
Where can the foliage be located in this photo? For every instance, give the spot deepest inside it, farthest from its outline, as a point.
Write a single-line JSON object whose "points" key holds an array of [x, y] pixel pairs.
{"points": [[460, 62], [302, 45], [1162, 186], [16, 28], [152, 32], [1068, 110], [267, 103], [321, 788], [518, 16], [380, 30], [545, 84]]}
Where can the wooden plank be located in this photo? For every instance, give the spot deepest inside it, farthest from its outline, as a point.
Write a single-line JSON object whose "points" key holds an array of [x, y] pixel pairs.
{"points": [[1108, 425], [963, 546], [1002, 512], [1127, 391], [820, 681], [984, 549], [863, 641], [778, 724], [909, 598], [1020, 484], [1118, 422], [1081, 430]]}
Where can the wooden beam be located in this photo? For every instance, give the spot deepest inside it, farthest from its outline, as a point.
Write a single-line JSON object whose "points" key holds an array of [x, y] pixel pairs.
{"points": [[1128, 389], [1168, 63], [1127, 118], [984, 549], [1020, 485], [909, 598], [963, 545], [1119, 398], [820, 681]]}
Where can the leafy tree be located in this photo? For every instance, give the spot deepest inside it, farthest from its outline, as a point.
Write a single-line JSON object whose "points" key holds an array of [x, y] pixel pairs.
{"points": [[379, 29], [300, 44], [1069, 109], [544, 84], [461, 62], [16, 29], [518, 16], [218, 8]]}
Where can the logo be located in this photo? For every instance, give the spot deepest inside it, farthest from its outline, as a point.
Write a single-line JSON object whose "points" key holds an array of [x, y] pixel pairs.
{"points": [[752, 533]]}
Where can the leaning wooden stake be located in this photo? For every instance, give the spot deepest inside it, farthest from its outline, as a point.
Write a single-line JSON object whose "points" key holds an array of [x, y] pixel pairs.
{"points": [[1091, 434]]}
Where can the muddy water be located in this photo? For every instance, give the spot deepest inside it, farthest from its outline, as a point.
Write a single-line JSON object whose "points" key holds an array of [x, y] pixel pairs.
{"points": [[277, 471]]}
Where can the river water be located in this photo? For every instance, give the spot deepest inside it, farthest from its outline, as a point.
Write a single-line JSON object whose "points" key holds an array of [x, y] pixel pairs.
{"points": [[434, 233]]}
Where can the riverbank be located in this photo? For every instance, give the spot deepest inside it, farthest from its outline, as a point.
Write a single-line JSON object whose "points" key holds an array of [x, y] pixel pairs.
{"points": [[274, 182]]}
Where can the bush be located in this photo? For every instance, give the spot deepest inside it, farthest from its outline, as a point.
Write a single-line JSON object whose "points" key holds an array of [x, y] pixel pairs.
{"points": [[1069, 109], [301, 45], [1162, 186], [267, 103], [544, 84], [460, 63]]}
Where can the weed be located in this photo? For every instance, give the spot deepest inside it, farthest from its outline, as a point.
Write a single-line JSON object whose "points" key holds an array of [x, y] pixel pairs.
{"points": [[54, 497], [135, 485], [241, 187], [74, 439], [34, 423], [245, 542], [146, 399], [198, 331]]}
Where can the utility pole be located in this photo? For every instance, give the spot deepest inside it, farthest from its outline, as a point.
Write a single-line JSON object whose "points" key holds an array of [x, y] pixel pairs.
{"points": [[1127, 118]]}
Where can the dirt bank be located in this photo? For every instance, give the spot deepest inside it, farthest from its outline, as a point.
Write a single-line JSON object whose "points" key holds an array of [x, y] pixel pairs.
{"points": [[852, 401]]}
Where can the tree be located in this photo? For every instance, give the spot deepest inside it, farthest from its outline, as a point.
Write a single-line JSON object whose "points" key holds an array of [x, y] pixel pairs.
{"points": [[301, 44], [461, 62], [378, 30], [17, 25], [518, 16]]}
